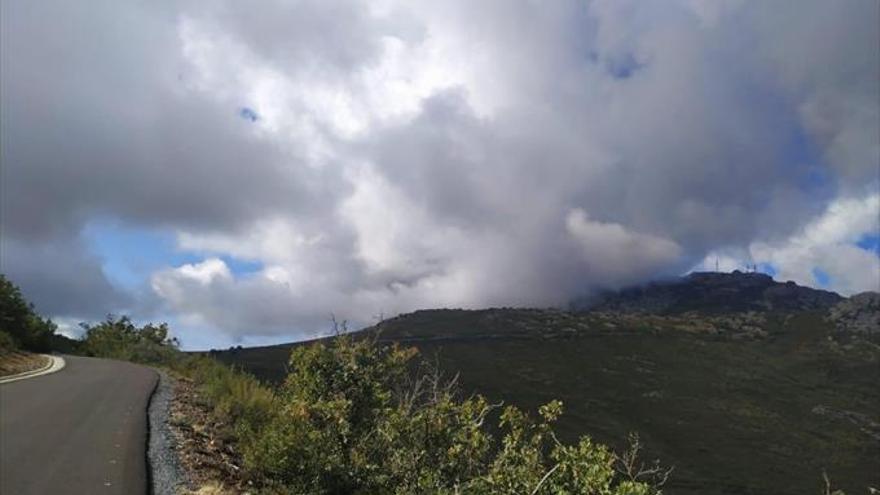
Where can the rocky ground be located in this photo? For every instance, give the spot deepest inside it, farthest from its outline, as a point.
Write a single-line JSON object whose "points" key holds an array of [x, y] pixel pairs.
{"points": [[207, 455], [860, 314]]}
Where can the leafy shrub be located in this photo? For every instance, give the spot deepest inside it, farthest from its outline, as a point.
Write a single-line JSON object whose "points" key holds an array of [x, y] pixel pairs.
{"points": [[350, 419], [7, 343], [119, 338], [19, 320]]}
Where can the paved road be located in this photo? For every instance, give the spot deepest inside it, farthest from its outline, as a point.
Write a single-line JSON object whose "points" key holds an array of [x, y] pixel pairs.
{"points": [[82, 430]]}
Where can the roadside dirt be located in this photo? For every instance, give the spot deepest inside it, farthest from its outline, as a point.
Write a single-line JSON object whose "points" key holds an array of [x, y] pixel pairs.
{"points": [[15, 362], [204, 447]]}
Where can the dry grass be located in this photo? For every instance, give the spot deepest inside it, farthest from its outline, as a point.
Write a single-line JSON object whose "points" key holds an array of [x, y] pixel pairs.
{"points": [[204, 447], [15, 362]]}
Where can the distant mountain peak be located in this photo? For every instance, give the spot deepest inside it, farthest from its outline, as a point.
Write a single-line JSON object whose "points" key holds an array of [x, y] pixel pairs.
{"points": [[712, 292]]}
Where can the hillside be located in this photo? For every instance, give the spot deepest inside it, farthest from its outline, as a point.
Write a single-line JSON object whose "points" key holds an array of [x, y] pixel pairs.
{"points": [[756, 400]]}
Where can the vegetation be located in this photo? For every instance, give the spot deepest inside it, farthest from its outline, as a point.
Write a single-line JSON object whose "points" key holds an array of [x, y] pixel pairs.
{"points": [[352, 417], [236, 399], [732, 416], [7, 343], [119, 338], [20, 325]]}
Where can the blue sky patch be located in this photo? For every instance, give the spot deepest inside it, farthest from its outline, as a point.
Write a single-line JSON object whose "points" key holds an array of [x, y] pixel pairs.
{"points": [[623, 67], [129, 256], [241, 267], [870, 242], [767, 268], [248, 114], [821, 277]]}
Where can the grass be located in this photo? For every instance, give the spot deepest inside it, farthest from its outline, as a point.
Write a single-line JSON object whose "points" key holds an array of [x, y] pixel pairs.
{"points": [[14, 362], [732, 416]]}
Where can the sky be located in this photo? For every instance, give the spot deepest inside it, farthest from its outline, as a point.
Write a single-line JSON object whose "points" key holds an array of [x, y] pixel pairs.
{"points": [[244, 171]]}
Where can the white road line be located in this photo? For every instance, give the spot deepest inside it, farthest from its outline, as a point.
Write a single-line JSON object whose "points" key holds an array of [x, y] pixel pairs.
{"points": [[56, 363]]}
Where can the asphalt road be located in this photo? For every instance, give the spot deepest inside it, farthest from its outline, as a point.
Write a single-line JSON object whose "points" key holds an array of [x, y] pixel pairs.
{"points": [[82, 430]]}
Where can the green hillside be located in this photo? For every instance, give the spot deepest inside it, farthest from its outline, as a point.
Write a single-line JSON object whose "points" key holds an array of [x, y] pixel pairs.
{"points": [[739, 403]]}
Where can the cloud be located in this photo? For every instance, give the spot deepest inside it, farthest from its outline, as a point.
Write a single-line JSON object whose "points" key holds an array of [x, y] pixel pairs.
{"points": [[63, 279], [398, 156], [828, 244], [616, 255]]}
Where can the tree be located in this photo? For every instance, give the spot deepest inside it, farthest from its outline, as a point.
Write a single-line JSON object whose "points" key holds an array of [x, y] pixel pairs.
{"points": [[20, 321], [120, 338]]}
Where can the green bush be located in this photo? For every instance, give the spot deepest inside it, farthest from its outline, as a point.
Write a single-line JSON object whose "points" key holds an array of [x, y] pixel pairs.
{"points": [[119, 338], [7, 343], [351, 419], [19, 320]]}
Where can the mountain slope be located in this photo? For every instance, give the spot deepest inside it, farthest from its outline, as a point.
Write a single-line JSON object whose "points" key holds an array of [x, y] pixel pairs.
{"points": [[713, 292], [760, 401]]}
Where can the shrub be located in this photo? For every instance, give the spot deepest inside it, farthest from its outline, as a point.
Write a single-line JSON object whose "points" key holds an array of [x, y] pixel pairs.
{"points": [[351, 419], [331, 401], [19, 320], [7, 343], [119, 338]]}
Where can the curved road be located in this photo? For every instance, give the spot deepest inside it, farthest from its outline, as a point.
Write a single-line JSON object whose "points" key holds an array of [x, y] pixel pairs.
{"points": [[82, 430]]}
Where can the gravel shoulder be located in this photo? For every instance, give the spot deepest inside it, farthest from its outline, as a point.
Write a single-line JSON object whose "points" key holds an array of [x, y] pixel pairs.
{"points": [[166, 474]]}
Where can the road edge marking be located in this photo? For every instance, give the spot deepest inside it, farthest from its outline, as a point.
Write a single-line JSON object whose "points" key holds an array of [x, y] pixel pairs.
{"points": [[56, 363]]}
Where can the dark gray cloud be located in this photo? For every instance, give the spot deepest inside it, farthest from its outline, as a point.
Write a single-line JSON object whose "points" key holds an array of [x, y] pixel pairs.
{"points": [[97, 120], [62, 279], [445, 154]]}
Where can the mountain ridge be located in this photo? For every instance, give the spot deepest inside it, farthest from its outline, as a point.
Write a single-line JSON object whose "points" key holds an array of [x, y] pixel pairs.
{"points": [[714, 292]]}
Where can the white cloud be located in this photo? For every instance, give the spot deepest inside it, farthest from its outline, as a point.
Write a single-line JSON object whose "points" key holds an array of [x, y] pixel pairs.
{"points": [[179, 283], [206, 271], [828, 244], [617, 256], [437, 154], [69, 327]]}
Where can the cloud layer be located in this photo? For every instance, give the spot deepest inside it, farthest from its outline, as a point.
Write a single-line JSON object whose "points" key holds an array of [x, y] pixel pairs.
{"points": [[397, 155]]}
